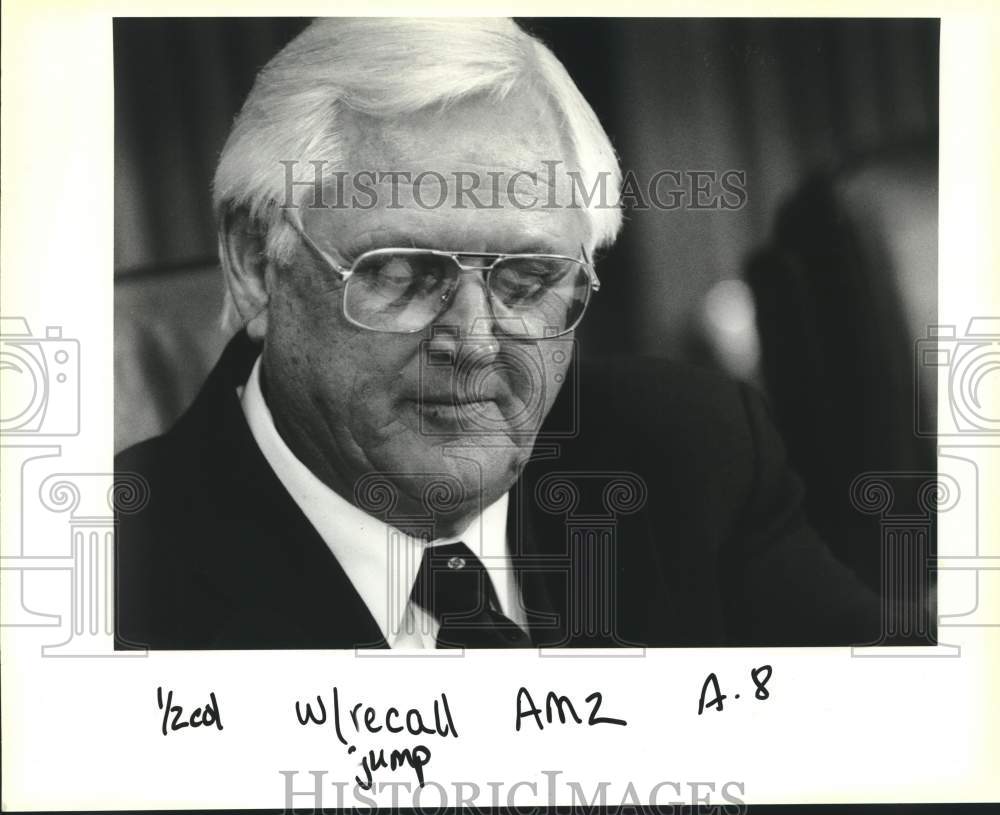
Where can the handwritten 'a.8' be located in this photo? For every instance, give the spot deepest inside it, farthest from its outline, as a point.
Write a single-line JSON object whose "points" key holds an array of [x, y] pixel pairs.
{"points": [[760, 677]]}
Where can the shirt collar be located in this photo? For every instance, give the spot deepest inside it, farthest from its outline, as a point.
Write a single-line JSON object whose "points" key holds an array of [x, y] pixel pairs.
{"points": [[380, 561]]}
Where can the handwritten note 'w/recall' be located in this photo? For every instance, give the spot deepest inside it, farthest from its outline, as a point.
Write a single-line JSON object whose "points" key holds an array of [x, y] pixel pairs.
{"points": [[366, 719]]}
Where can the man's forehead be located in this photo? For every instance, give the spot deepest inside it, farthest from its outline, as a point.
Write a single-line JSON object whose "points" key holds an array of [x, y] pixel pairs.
{"points": [[350, 231]]}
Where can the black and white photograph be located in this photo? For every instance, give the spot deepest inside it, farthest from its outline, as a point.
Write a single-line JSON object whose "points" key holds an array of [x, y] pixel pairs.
{"points": [[670, 277], [474, 409]]}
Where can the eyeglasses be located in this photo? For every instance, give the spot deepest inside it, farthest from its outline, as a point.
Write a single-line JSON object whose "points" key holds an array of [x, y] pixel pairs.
{"points": [[402, 291]]}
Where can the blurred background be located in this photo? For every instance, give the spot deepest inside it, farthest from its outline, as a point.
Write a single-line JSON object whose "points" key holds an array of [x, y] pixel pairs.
{"points": [[816, 289]]}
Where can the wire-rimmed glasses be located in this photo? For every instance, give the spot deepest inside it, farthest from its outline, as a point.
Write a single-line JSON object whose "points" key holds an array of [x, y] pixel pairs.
{"points": [[403, 290]]}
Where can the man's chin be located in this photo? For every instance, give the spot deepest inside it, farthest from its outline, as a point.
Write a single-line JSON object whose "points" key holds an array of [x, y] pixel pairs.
{"points": [[439, 476]]}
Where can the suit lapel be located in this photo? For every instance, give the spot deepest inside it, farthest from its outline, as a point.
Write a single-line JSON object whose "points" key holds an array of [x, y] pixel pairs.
{"points": [[590, 573], [536, 543], [261, 554]]}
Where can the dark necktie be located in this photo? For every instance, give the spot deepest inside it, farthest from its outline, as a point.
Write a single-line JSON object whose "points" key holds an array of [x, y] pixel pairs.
{"points": [[454, 587]]}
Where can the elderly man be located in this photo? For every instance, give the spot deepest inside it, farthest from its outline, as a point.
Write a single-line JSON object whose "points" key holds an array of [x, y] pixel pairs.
{"points": [[399, 447]]}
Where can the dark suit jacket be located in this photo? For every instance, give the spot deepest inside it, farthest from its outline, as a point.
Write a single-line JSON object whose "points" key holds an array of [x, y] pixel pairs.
{"points": [[670, 518]]}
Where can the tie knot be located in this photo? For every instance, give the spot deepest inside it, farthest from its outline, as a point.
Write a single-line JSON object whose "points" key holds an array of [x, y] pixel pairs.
{"points": [[454, 586], [452, 583]]}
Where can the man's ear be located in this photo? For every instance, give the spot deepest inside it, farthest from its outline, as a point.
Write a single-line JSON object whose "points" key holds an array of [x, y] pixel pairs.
{"points": [[245, 266]]}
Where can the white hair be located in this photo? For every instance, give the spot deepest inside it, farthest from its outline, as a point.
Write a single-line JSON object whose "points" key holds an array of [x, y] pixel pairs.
{"points": [[384, 66]]}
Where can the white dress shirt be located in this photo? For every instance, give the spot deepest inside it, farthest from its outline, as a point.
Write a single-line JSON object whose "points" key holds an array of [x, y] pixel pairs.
{"points": [[380, 561]]}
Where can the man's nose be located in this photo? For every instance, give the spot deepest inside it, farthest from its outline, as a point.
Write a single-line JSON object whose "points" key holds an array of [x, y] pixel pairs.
{"points": [[468, 315]]}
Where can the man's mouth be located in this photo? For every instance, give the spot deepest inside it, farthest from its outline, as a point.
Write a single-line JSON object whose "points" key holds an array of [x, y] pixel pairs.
{"points": [[461, 413], [451, 407], [452, 400]]}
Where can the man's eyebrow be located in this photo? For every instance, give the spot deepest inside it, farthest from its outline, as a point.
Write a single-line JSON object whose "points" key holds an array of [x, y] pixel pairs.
{"points": [[534, 246], [399, 240], [383, 240]]}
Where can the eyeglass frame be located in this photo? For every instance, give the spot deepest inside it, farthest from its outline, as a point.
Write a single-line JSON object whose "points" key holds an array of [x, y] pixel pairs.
{"points": [[345, 273]]}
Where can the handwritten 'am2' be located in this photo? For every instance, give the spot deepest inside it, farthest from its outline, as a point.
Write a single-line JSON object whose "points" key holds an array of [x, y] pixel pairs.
{"points": [[561, 706]]}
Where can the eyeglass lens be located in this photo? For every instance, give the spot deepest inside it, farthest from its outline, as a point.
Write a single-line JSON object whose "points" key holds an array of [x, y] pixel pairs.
{"points": [[531, 297]]}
